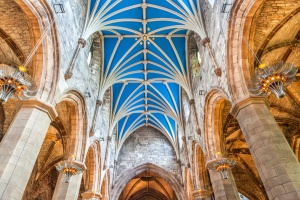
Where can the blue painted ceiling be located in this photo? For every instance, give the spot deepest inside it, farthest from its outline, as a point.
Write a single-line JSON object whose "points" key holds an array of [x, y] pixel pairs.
{"points": [[145, 60]]}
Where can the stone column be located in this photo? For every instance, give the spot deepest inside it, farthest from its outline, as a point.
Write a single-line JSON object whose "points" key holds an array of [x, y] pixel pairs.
{"points": [[275, 161], [67, 191], [21, 145], [224, 189]]}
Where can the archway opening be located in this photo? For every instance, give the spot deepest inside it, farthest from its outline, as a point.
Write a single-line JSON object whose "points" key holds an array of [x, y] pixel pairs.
{"points": [[147, 185]]}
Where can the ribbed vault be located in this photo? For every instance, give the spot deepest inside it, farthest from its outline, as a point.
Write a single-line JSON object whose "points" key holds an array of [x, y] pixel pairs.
{"points": [[144, 61]]}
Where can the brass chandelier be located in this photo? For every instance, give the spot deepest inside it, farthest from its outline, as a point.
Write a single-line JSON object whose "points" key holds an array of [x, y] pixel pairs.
{"points": [[222, 165], [272, 78], [15, 82], [69, 168]]}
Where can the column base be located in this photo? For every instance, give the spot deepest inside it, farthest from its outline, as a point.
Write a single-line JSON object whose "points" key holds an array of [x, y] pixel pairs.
{"points": [[91, 195], [201, 194]]}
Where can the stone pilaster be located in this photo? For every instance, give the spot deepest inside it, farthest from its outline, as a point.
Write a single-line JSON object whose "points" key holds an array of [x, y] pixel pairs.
{"points": [[276, 163], [224, 189], [21, 145]]}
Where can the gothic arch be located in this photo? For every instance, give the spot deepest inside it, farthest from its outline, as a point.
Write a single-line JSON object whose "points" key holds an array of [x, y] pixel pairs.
{"points": [[200, 176], [93, 163], [238, 52], [105, 185], [211, 112], [46, 60], [78, 134], [188, 182], [128, 175]]}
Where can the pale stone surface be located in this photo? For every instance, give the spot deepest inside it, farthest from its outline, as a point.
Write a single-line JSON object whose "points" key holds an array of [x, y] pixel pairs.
{"points": [[68, 28], [275, 160], [146, 145], [224, 189], [19, 150]]}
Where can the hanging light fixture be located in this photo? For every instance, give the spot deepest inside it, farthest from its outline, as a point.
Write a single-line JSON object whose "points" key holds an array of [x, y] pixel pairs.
{"points": [[222, 165], [272, 78], [70, 168], [15, 82]]}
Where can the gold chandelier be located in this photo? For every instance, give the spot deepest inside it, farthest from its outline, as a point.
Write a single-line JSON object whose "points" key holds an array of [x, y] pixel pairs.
{"points": [[222, 165], [69, 168], [272, 78], [15, 82]]}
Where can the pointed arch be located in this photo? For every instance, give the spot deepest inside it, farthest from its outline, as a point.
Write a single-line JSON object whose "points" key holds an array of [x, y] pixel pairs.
{"points": [[78, 131], [238, 70], [167, 176], [212, 139], [45, 62], [93, 164]]}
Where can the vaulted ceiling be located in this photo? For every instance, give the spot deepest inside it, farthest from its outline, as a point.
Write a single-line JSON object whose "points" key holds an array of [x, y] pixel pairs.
{"points": [[144, 60]]}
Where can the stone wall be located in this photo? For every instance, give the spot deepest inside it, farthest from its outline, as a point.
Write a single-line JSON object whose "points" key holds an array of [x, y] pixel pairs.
{"points": [[14, 23], [69, 27], [216, 24], [146, 145]]}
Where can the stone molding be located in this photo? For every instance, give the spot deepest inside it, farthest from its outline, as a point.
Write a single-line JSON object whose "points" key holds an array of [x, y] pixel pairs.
{"points": [[43, 106], [246, 102]]}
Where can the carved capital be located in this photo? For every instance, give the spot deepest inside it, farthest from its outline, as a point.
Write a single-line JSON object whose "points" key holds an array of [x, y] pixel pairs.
{"points": [[82, 42], [192, 102], [205, 41], [92, 132], [218, 71], [98, 102], [68, 75], [198, 131]]}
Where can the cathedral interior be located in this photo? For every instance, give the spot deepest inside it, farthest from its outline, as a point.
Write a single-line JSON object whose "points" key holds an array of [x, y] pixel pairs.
{"points": [[150, 100]]}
